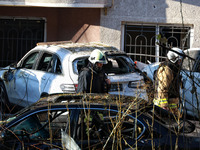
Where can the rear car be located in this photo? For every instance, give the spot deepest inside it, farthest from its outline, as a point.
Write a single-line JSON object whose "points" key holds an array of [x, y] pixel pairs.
{"points": [[64, 121], [54, 67]]}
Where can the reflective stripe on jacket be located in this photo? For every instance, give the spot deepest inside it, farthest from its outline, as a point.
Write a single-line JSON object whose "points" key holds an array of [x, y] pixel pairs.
{"points": [[161, 102], [166, 87], [164, 103]]}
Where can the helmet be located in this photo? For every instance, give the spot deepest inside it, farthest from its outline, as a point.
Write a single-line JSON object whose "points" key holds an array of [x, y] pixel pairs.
{"points": [[97, 56], [173, 56]]}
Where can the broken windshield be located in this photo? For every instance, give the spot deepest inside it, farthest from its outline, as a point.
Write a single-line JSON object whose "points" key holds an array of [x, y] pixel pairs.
{"points": [[117, 64]]}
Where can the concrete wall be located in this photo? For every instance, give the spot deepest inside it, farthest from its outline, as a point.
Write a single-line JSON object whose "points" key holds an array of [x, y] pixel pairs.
{"points": [[78, 25], [148, 11]]}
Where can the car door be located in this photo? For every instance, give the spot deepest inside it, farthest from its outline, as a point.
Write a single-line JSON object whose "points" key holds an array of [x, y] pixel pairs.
{"points": [[43, 129], [39, 77], [17, 91], [28, 131], [191, 83], [191, 93]]}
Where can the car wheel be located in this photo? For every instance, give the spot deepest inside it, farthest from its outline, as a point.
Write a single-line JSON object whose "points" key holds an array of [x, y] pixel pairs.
{"points": [[44, 95], [4, 103]]}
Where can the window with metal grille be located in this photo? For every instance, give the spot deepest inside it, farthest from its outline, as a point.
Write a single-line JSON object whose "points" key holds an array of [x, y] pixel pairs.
{"points": [[17, 37], [140, 41]]}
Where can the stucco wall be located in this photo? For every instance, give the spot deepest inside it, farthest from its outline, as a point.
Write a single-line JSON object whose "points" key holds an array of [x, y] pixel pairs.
{"points": [[149, 11]]}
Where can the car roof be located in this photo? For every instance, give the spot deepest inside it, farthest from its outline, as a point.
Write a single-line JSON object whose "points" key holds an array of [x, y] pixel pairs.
{"points": [[97, 99], [80, 47], [192, 49], [92, 100], [192, 52], [86, 101]]}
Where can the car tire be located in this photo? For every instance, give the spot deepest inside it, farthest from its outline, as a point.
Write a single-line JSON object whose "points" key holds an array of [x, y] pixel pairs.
{"points": [[44, 95], [4, 102]]}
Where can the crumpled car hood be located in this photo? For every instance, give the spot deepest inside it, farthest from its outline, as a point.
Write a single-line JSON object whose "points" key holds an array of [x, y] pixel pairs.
{"points": [[149, 69], [132, 85], [125, 77]]}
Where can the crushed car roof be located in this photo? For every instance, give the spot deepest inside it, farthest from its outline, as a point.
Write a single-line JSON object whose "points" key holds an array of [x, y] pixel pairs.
{"points": [[87, 99], [77, 47]]}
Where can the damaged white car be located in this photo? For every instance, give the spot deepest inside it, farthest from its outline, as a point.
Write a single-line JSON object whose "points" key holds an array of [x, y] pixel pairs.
{"points": [[53, 67], [190, 94]]}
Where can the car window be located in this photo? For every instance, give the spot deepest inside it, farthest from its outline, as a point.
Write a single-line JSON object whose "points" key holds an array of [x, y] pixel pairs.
{"points": [[38, 126], [119, 65], [188, 64], [58, 69], [78, 125], [46, 63], [116, 65], [192, 65], [30, 60], [79, 63], [94, 125], [30, 128], [101, 124], [55, 121], [198, 66]]}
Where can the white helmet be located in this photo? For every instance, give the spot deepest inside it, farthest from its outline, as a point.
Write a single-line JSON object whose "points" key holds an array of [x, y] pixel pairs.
{"points": [[97, 56], [173, 56]]}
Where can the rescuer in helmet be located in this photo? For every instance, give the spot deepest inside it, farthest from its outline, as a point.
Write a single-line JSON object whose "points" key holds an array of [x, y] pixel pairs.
{"points": [[168, 81], [92, 79]]}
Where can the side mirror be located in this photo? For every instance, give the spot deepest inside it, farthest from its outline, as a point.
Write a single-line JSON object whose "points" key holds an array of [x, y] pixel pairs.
{"points": [[13, 65]]}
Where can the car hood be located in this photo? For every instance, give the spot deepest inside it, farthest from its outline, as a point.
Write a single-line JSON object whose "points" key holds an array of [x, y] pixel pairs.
{"points": [[150, 69]]}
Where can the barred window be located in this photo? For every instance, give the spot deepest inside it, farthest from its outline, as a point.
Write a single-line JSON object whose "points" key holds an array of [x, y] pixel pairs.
{"points": [[140, 40], [18, 36]]}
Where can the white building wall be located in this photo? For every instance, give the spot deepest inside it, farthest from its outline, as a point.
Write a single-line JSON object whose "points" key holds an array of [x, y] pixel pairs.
{"points": [[149, 11], [58, 3]]}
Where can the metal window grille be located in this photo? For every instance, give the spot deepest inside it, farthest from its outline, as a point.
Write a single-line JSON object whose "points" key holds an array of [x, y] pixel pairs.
{"points": [[140, 41], [17, 37]]}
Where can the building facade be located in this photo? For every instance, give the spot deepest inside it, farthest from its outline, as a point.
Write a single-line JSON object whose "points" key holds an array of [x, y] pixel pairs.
{"points": [[23, 23], [134, 26]]}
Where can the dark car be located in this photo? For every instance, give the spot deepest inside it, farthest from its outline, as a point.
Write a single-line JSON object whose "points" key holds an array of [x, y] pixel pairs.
{"points": [[94, 122]]}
